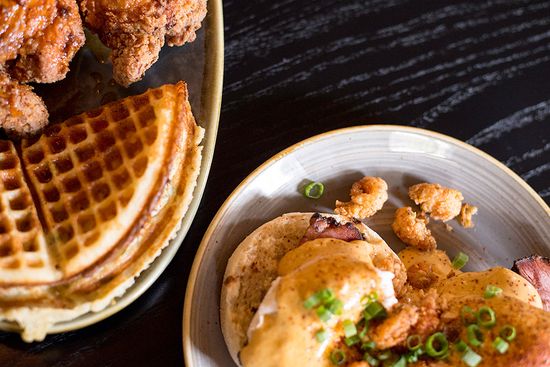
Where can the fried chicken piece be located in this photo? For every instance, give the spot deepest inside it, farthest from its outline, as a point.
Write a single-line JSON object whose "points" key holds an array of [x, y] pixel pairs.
{"points": [[412, 230], [368, 195], [38, 39], [395, 328], [21, 111], [421, 275], [441, 202], [466, 213], [135, 30]]}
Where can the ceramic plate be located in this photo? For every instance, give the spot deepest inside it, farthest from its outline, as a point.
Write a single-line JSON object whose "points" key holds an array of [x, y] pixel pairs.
{"points": [[89, 85], [512, 221]]}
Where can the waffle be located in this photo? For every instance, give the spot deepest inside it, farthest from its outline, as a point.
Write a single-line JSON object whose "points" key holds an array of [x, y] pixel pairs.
{"points": [[105, 191], [23, 254]]}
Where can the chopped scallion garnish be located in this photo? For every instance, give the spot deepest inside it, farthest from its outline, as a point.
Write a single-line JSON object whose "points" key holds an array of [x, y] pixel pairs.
{"points": [[352, 340], [370, 345], [413, 355], [323, 313], [486, 317], [414, 342], [338, 357], [437, 345], [335, 306], [492, 291], [311, 301], [500, 345], [508, 332], [317, 298], [401, 362], [385, 355], [461, 346], [321, 335], [460, 260], [314, 190], [474, 334], [373, 362], [471, 358], [374, 310], [363, 333], [349, 328]]}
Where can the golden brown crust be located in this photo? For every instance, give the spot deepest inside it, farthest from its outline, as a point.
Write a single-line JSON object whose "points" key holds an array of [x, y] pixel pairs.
{"points": [[441, 202], [136, 30], [41, 37], [412, 229], [367, 195], [22, 112], [109, 276], [467, 211]]}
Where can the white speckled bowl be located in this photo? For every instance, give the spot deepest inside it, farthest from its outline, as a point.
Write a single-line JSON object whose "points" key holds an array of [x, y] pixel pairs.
{"points": [[513, 221]]}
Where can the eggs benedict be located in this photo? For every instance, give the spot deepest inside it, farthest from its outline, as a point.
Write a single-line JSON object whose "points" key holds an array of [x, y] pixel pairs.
{"points": [[319, 290], [290, 257]]}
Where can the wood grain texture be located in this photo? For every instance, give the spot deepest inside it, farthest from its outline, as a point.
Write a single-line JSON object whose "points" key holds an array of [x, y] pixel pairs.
{"points": [[476, 70]]}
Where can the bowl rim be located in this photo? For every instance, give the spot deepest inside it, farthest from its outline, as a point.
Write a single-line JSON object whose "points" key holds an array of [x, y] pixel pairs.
{"points": [[199, 255]]}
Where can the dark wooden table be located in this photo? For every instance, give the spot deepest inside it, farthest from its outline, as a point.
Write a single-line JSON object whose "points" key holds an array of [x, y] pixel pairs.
{"points": [[476, 70]]}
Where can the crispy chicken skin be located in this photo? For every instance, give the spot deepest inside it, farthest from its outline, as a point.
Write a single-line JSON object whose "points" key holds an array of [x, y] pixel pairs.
{"points": [[38, 39], [136, 30], [21, 111]]}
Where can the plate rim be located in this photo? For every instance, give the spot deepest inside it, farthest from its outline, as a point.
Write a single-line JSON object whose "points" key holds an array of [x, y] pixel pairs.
{"points": [[214, 61], [199, 255]]}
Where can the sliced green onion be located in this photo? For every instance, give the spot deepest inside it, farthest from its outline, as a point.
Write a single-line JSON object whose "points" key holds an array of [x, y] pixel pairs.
{"points": [[323, 313], [414, 342], [369, 298], [317, 298], [385, 355], [352, 340], [437, 345], [401, 362], [321, 335], [474, 334], [326, 295], [461, 346], [363, 333], [335, 306], [374, 310], [500, 345], [460, 260], [486, 317], [338, 357], [492, 291], [468, 315], [314, 190], [471, 358], [373, 362], [412, 356], [370, 345], [349, 328], [508, 332], [311, 301]]}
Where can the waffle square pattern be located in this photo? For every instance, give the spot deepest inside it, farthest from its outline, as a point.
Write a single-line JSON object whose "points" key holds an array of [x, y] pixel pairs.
{"points": [[88, 204]]}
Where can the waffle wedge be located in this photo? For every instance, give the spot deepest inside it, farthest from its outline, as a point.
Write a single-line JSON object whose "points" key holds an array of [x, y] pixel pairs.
{"points": [[101, 194]]}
